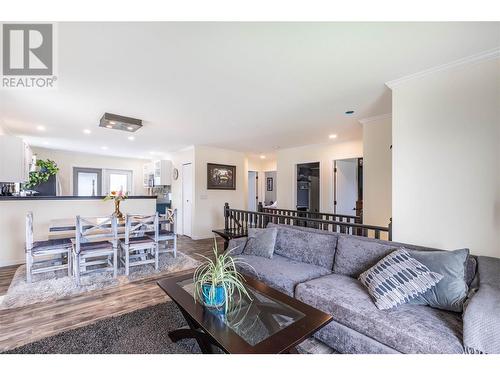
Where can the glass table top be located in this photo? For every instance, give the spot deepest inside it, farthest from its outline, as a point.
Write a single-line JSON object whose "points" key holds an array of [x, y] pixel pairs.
{"points": [[253, 319]]}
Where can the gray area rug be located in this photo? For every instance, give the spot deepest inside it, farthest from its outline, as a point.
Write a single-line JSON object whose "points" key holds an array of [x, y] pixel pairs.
{"points": [[51, 286], [143, 331]]}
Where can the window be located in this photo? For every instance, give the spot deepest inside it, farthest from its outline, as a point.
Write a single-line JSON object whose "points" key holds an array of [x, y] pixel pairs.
{"points": [[116, 180]]}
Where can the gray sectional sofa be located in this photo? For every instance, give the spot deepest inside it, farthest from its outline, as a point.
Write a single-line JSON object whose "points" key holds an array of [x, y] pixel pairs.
{"points": [[321, 269]]}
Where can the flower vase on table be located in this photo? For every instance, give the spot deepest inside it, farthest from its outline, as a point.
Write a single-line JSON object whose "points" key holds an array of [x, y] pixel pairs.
{"points": [[117, 197]]}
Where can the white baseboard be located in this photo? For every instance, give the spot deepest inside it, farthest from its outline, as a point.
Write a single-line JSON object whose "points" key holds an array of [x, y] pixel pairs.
{"points": [[12, 262]]}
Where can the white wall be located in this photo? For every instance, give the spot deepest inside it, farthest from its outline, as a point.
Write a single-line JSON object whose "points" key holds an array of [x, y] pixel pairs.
{"points": [[446, 173], [209, 204], [66, 160], [377, 171], [287, 160]]}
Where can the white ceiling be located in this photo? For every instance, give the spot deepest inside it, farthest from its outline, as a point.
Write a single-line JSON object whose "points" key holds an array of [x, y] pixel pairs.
{"points": [[246, 86]]}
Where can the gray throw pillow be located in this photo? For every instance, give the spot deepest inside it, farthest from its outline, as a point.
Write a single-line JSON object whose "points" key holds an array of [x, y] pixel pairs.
{"points": [[451, 291], [261, 242], [396, 279]]}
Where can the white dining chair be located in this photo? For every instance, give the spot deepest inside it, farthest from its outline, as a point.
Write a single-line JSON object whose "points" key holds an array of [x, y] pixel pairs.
{"points": [[137, 248], [45, 256], [167, 237], [95, 247]]}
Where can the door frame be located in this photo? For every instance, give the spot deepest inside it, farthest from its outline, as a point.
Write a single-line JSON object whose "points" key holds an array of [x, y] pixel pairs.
{"points": [[182, 200], [294, 183], [256, 189], [358, 189], [77, 170]]}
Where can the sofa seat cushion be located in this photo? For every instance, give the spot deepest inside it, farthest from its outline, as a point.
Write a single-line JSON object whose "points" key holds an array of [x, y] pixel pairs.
{"points": [[280, 272], [313, 247], [407, 329]]}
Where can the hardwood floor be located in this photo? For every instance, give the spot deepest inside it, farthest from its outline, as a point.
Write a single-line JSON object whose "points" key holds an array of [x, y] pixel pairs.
{"points": [[22, 325]]}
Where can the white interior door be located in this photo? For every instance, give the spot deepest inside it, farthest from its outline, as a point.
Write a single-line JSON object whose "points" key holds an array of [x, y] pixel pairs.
{"points": [[187, 196], [346, 187], [252, 191]]}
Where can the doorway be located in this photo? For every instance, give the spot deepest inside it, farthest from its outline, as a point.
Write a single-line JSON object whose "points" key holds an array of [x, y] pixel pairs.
{"points": [[348, 187], [253, 190], [87, 182], [270, 190], [308, 187], [187, 194]]}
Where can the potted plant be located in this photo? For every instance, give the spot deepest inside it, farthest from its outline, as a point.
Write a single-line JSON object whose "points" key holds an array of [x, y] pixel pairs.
{"points": [[117, 197], [44, 170], [217, 282]]}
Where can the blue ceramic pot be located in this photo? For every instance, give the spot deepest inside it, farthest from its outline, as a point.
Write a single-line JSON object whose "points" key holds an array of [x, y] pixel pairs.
{"points": [[218, 299]]}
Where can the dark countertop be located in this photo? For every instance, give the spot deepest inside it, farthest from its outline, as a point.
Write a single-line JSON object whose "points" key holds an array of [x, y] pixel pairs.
{"points": [[65, 197]]}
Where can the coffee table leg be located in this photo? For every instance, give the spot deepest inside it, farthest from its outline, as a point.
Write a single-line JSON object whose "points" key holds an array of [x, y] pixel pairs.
{"points": [[193, 332]]}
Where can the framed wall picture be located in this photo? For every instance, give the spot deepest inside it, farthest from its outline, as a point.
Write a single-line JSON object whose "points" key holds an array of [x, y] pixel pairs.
{"points": [[269, 183], [221, 177]]}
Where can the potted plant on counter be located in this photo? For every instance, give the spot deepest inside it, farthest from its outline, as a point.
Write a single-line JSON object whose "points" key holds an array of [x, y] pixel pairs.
{"points": [[117, 197], [44, 170], [217, 282]]}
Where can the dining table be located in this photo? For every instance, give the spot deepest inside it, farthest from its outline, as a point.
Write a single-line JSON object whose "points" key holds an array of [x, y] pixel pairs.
{"points": [[66, 227]]}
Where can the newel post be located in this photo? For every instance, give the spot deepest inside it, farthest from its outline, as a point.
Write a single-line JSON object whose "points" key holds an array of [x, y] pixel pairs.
{"points": [[226, 216], [390, 229], [260, 207]]}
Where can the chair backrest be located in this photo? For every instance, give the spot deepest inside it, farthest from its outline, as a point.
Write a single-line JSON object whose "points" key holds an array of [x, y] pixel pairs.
{"points": [[29, 231], [89, 229], [136, 225], [171, 217]]}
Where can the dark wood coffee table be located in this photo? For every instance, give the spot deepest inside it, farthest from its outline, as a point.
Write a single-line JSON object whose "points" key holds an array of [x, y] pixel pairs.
{"points": [[271, 322]]}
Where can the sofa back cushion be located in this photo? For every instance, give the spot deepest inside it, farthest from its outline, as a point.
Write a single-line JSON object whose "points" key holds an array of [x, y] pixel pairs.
{"points": [[306, 245], [355, 254]]}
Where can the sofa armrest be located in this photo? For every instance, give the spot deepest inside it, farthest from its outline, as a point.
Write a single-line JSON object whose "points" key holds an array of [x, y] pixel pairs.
{"points": [[236, 245], [482, 311]]}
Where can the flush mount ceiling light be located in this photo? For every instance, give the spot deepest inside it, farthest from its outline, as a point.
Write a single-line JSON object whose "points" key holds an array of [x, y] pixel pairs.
{"points": [[117, 122], [131, 138], [40, 128], [86, 131], [332, 136]]}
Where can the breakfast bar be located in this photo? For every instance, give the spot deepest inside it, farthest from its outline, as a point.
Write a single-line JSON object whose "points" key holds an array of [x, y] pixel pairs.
{"points": [[45, 209]]}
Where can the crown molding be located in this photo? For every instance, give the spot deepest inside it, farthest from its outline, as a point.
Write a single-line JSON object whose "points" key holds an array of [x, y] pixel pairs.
{"points": [[367, 120], [485, 55]]}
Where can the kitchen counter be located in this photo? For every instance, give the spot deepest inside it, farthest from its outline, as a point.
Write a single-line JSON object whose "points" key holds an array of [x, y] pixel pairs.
{"points": [[64, 197]]}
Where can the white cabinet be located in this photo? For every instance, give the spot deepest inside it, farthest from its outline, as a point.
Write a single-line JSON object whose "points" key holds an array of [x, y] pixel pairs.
{"points": [[15, 159], [148, 175], [158, 172], [163, 172]]}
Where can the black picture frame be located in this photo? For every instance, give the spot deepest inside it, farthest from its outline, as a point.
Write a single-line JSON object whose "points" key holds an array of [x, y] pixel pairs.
{"points": [[221, 177], [269, 184]]}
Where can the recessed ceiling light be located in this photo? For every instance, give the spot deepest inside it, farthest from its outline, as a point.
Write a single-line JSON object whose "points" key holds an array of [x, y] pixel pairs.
{"points": [[350, 112], [109, 126], [112, 123], [130, 128], [131, 138], [45, 143], [104, 147], [87, 131], [262, 156], [40, 127], [332, 136]]}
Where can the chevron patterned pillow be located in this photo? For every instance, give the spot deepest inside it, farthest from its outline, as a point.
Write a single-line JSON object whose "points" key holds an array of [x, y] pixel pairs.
{"points": [[397, 279]]}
